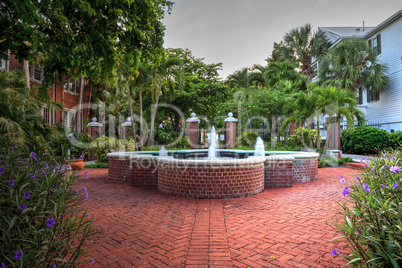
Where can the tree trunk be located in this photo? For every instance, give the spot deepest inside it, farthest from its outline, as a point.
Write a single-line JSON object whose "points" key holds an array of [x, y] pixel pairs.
{"points": [[278, 136], [272, 132], [132, 117], [318, 132], [79, 112], [153, 119], [27, 76], [141, 124]]}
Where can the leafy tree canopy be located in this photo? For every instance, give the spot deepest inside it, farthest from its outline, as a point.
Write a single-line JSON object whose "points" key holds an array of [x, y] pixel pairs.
{"points": [[82, 37]]}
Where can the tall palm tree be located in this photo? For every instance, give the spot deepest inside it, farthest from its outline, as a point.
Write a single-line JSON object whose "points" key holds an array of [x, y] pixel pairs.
{"points": [[351, 65], [303, 44], [163, 79]]}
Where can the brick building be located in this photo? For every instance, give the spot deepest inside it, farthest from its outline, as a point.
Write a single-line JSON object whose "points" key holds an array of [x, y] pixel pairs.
{"points": [[66, 93]]}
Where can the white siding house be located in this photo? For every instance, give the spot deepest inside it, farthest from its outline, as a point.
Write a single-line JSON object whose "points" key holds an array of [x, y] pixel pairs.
{"points": [[386, 38]]}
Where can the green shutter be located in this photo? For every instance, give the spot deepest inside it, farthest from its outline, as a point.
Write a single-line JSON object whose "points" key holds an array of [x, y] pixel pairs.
{"points": [[360, 95], [368, 95], [369, 43], [379, 44]]}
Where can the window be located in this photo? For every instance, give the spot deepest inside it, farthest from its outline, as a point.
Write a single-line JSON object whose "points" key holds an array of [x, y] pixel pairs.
{"points": [[375, 44], [68, 118], [36, 72], [72, 86], [372, 96], [2, 64], [360, 96], [46, 115], [315, 68]]}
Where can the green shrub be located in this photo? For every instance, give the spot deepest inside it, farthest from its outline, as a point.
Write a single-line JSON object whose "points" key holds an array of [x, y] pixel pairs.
{"points": [[104, 145], [300, 138], [372, 214], [327, 161], [395, 139], [247, 139], [97, 165], [364, 140], [42, 219]]}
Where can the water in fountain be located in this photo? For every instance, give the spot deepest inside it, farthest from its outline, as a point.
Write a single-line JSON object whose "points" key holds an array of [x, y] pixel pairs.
{"points": [[163, 151], [212, 150], [259, 147]]}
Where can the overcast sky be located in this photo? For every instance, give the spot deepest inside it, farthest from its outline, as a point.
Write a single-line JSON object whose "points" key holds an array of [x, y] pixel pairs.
{"points": [[241, 33]]}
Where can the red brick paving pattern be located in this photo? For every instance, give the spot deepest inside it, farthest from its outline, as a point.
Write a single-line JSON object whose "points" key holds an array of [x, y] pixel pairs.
{"points": [[281, 227]]}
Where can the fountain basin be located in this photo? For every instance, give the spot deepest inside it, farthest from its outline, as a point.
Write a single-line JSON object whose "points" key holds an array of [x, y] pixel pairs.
{"points": [[213, 178]]}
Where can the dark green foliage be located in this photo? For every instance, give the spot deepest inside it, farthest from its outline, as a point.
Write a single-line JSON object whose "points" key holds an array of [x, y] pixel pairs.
{"points": [[97, 165], [364, 140], [301, 137], [51, 194], [247, 139], [395, 139], [372, 215]]}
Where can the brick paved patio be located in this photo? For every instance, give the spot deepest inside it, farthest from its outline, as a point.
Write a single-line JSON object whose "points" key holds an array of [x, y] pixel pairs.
{"points": [[281, 227]]}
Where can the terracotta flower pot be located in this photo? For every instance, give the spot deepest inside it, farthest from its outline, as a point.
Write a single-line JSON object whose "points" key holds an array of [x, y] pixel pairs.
{"points": [[77, 164]]}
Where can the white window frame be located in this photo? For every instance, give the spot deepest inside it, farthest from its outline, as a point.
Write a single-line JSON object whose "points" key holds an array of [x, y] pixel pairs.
{"points": [[2, 64], [32, 69], [68, 118], [374, 45], [72, 86], [42, 111]]}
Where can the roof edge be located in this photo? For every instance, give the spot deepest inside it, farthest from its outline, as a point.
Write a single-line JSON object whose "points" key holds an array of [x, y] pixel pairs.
{"points": [[383, 24]]}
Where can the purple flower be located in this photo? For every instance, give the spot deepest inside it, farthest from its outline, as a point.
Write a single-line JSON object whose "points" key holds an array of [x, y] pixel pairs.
{"points": [[395, 169], [55, 185], [366, 187], [73, 157], [345, 191], [54, 266], [86, 176], [82, 157], [27, 195], [13, 147], [50, 222], [395, 186], [372, 169], [379, 199], [11, 182], [333, 253], [359, 231], [386, 166], [78, 175], [78, 192], [361, 161], [33, 155], [32, 175], [86, 193], [366, 165], [3, 265], [22, 206], [397, 153], [18, 157], [92, 261], [384, 155], [392, 157], [357, 177], [46, 164], [2, 170], [382, 186], [89, 216], [18, 255], [41, 171]]}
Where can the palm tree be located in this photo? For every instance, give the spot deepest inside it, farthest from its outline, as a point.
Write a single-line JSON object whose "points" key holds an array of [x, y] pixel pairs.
{"points": [[351, 65], [334, 101], [163, 79], [302, 45], [20, 119], [239, 79]]}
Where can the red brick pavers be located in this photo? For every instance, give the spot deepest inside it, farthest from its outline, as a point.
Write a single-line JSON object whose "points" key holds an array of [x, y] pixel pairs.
{"points": [[281, 227]]}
